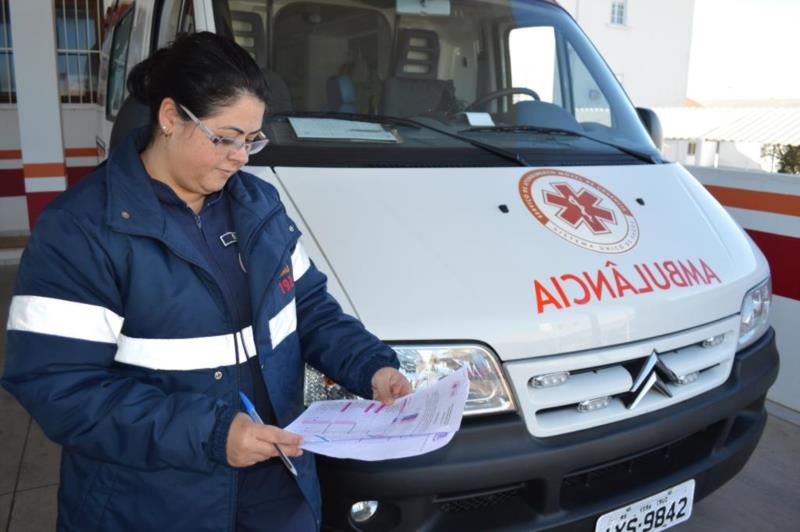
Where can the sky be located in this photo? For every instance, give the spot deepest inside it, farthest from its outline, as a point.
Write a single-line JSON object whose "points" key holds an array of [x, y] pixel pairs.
{"points": [[745, 49]]}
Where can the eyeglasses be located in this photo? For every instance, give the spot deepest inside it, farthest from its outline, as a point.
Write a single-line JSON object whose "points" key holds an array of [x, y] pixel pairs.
{"points": [[229, 144]]}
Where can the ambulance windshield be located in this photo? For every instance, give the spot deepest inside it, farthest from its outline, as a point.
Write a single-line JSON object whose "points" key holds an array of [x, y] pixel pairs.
{"points": [[424, 82]]}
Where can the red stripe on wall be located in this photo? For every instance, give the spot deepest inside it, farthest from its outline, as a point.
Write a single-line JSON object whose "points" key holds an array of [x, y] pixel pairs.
{"points": [[44, 169], [782, 253], [68, 152], [10, 154], [76, 173], [37, 201], [80, 152], [12, 182], [756, 200]]}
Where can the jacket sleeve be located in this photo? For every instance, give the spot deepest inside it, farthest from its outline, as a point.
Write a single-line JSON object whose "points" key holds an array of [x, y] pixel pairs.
{"points": [[65, 317], [333, 342]]}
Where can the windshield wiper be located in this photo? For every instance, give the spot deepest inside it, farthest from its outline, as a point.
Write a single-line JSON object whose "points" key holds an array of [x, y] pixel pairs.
{"points": [[642, 156], [409, 122]]}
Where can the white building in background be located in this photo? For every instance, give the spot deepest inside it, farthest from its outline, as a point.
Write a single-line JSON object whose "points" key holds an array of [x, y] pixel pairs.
{"points": [[728, 137], [49, 62], [646, 43]]}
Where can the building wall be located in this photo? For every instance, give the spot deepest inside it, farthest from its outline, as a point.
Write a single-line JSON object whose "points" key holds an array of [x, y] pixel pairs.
{"points": [[744, 155], [650, 53], [707, 153], [78, 125], [13, 205], [719, 154], [768, 207], [54, 52], [13, 215]]}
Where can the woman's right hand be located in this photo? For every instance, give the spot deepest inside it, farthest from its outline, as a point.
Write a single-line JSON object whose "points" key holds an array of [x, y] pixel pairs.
{"points": [[250, 443]]}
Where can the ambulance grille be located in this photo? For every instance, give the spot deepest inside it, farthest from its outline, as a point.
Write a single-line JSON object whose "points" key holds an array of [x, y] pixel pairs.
{"points": [[482, 501], [616, 372]]}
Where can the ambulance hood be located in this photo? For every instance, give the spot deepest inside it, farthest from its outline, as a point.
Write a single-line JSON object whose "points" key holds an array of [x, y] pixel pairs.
{"points": [[530, 261]]}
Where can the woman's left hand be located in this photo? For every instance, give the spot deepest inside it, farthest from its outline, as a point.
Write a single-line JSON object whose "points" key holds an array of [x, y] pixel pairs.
{"points": [[389, 384]]}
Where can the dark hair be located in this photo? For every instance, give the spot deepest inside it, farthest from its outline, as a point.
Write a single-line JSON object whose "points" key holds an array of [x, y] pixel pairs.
{"points": [[202, 71]]}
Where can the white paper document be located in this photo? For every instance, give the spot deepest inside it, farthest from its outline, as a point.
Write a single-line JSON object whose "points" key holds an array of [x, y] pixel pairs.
{"points": [[367, 430], [334, 128], [479, 119]]}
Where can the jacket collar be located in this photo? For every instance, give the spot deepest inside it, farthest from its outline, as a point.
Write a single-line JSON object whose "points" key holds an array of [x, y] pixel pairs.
{"points": [[133, 207]]}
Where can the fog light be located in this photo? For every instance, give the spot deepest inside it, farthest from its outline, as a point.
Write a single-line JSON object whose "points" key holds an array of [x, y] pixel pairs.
{"points": [[591, 405], [551, 379], [713, 341], [689, 377], [363, 511]]}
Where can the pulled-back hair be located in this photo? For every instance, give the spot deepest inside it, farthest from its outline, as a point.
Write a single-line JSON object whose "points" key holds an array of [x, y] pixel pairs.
{"points": [[202, 71]]}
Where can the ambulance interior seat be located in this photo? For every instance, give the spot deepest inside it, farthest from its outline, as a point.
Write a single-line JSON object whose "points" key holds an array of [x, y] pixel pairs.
{"points": [[414, 89], [341, 94], [279, 99], [132, 114], [248, 32]]}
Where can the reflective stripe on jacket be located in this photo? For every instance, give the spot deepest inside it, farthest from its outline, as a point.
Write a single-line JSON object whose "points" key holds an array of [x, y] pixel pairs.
{"points": [[121, 347]]}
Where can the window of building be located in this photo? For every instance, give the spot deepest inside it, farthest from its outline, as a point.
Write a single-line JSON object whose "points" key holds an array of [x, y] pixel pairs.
{"points": [[78, 37], [7, 84], [618, 13], [691, 149]]}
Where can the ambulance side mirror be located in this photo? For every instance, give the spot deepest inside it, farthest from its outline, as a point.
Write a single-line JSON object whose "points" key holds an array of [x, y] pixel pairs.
{"points": [[652, 124]]}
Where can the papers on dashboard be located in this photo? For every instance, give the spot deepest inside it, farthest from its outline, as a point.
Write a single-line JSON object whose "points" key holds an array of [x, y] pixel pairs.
{"points": [[479, 119], [368, 430], [337, 129]]}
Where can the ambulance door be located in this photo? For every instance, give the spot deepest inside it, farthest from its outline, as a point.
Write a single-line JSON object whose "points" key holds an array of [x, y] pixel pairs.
{"points": [[136, 30], [113, 70], [181, 16]]}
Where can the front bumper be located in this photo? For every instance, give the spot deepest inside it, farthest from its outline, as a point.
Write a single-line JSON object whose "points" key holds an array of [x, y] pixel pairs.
{"points": [[494, 475]]}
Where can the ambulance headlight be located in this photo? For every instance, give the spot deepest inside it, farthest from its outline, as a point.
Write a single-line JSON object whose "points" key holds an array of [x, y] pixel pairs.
{"points": [[754, 316], [426, 364]]}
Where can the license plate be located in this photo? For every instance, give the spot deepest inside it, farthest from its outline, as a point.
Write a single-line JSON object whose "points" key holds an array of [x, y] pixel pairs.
{"points": [[658, 512]]}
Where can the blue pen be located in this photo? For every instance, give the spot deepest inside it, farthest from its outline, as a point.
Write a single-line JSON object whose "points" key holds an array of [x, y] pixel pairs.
{"points": [[251, 411]]}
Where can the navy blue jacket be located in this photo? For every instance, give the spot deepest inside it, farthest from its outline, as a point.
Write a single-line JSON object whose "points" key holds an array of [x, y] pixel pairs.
{"points": [[121, 346]]}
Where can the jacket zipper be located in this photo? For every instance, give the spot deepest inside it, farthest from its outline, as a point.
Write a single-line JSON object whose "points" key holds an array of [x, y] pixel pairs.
{"points": [[232, 318], [247, 248], [244, 255], [209, 279]]}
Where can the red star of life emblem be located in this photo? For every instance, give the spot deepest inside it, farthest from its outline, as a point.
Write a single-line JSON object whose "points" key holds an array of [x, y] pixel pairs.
{"points": [[580, 207]]}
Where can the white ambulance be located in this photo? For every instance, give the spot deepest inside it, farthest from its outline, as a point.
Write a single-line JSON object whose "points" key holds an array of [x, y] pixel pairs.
{"points": [[481, 193]]}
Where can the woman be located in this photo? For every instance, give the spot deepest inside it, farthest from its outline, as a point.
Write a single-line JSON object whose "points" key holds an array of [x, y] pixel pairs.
{"points": [[154, 291]]}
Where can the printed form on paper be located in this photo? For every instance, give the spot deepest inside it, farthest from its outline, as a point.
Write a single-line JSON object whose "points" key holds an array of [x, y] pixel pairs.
{"points": [[368, 430], [334, 129]]}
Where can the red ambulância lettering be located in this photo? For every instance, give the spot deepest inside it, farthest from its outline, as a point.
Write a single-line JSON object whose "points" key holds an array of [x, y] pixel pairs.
{"points": [[610, 282]]}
